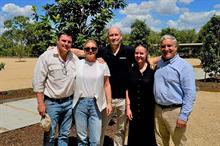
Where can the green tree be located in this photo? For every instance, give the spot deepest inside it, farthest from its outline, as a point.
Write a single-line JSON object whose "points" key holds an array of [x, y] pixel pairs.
{"points": [[126, 39], [170, 31], [42, 32], [209, 54], [186, 36], [139, 33], [84, 18], [16, 33], [5, 46], [154, 40], [2, 66]]}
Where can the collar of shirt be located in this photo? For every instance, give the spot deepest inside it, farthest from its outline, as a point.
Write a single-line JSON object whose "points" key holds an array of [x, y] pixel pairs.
{"points": [[170, 60], [69, 55]]}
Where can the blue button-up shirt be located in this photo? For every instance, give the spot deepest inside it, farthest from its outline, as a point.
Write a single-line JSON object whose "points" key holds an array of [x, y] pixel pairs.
{"points": [[174, 83]]}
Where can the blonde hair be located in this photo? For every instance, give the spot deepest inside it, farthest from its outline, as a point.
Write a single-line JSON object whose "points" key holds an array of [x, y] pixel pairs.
{"points": [[90, 41]]}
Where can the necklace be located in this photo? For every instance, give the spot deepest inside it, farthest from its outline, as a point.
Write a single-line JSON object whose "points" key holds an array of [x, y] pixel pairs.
{"points": [[64, 70], [143, 68]]}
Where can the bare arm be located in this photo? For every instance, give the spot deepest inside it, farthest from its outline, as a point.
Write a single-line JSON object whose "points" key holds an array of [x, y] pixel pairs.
{"points": [[128, 109], [108, 94], [78, 52], [154, 60], [40, 103]]}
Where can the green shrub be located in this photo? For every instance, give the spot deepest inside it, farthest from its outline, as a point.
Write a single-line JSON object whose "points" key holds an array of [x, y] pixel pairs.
{"points": [[2, 65]]}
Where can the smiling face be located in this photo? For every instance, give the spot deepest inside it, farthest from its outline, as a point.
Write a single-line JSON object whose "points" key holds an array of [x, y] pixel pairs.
{"points": [[114, 36], [168, 48], [140, 54], [64, 43], [90, 49]]}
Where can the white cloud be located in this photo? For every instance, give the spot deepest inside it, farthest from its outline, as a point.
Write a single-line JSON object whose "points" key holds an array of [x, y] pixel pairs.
{"points": [[191, 20], [10, 10], [134, 9], [217, 6], [1, 30], [163, 7], [217, 12], [184, 10], [14, 10], [172, 24], [186, 1], [166, 7], [2, 19], [126, 22], [142, 12]]}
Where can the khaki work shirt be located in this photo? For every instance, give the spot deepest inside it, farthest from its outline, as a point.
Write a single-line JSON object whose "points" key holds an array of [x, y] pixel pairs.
{"points": [[53, 76]]}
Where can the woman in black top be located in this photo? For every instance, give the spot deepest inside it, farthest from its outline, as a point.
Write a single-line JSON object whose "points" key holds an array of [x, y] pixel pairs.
{"points": [[140, 101]]}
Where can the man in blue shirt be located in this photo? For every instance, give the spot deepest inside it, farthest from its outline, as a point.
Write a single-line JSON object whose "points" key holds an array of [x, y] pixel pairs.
{"points": [[174, 91]]}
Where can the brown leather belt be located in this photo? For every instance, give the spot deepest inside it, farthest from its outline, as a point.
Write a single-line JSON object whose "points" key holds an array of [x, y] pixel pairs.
{"points": [[60, 100]]}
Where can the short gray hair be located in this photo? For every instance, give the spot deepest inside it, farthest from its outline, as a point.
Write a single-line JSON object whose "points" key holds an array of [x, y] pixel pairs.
{"points": [[167, 36]]}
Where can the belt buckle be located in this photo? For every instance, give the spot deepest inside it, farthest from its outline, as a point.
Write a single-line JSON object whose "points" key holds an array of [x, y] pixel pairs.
{"points": [[60, 100]]}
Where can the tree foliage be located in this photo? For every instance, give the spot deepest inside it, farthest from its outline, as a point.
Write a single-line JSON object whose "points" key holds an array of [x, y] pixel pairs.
{"points": [[209, 54], [170, 31], [154, 40], [182, 36], [83, 18], [23, 38], [16, 34], [2, 66], [43, 34], [139, 33]]}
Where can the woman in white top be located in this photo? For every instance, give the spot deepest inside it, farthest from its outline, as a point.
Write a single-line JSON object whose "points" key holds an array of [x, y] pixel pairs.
{"points": [[92, 95]]}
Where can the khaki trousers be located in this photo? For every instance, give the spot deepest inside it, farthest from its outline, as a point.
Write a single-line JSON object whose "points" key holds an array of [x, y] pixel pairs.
{"points": [[165, 127], [118, 106]]}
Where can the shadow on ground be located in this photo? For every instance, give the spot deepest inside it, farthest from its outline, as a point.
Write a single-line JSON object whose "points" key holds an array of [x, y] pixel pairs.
{"points": [[73, 141], [33, 136]]}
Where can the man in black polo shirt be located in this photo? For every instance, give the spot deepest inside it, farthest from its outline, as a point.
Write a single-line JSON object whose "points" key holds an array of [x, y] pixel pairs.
{"points": [[119, 59]]}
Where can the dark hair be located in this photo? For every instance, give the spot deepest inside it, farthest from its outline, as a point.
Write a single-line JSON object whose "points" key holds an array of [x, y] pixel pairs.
{"points": [[64, 32]]}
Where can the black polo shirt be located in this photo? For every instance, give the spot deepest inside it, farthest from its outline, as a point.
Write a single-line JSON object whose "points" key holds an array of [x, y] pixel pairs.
{"points": [[119, 67]]}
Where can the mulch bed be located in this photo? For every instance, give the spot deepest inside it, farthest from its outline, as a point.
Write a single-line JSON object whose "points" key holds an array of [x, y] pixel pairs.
{"points": [[33, 136], [210, 85], [9, 95]]}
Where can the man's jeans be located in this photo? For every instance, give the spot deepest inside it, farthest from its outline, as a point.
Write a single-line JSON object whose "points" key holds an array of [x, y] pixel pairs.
{"points": [[60, 113], [87, 115]]}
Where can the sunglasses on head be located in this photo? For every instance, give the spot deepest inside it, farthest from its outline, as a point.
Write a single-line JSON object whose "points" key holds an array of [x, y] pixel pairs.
{"points": [[87, 49]]}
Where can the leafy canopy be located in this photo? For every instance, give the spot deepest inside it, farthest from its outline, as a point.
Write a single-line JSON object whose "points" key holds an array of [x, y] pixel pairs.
{"points": [[83, 18], [209, 54]]}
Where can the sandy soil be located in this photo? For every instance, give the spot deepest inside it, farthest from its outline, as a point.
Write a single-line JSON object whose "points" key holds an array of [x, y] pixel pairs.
{"points": [[204, 122], [16, 75], [203, 125]]}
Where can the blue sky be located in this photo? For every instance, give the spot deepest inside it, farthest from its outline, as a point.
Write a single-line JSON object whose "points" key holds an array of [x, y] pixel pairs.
{"points": [[158, 14]]}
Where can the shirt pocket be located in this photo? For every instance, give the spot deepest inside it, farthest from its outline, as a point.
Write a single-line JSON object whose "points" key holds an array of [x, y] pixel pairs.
{"points": [[56, 71]]}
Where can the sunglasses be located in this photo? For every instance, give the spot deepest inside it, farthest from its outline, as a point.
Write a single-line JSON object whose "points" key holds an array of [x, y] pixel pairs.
{"points": [[87, 49]]}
